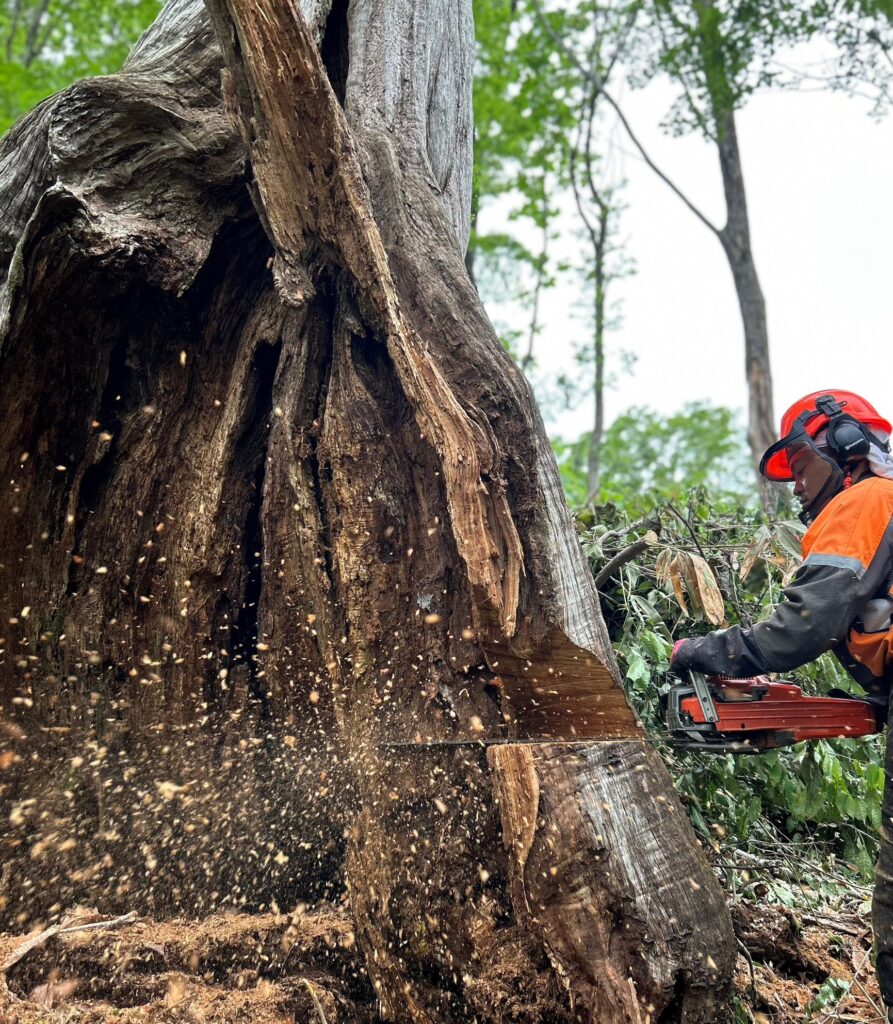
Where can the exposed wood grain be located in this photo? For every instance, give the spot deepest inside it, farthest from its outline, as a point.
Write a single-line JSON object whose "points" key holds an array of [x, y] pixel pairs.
{"points": [[625, 905]]}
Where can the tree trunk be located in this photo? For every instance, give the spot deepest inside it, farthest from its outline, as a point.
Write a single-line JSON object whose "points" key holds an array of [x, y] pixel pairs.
{"points": [[735, 239], [284, 538], [600, 283]]}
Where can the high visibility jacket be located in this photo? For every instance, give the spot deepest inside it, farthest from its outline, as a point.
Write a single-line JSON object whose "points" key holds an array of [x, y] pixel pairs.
{"points": [[847, 562]]}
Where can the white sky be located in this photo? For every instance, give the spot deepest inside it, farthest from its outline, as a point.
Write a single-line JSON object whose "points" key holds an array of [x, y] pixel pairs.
{"points": [[819, 177]]}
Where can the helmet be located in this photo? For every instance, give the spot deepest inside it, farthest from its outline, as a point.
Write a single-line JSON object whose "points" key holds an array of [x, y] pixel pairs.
{"points": [[850, 421]]}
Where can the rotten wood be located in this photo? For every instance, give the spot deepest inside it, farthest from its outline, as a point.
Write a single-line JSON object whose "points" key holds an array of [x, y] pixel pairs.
{"points": [[284, 121]]}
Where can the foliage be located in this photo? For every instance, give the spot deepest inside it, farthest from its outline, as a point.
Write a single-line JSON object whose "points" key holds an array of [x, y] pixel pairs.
{"points": [[822, 799], [537, 61], [829, 994], [718, 53], [537, 158], [862, 34], [523, 116], [47, 44], [648, 458]]}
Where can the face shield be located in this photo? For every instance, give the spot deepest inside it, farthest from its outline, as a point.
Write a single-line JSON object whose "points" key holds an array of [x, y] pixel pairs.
{"points": [[776, 462]]}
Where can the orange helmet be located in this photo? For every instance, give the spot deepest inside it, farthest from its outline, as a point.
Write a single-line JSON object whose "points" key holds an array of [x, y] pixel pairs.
{"points": [[851, 420]]}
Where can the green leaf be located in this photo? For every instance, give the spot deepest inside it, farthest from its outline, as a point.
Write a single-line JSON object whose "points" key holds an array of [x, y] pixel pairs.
{"points": [[636, 668], [47, 47], [655, 645]]}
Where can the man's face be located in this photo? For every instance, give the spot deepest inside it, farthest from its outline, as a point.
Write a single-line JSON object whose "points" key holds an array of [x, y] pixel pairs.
{"points": [[810, 471]]}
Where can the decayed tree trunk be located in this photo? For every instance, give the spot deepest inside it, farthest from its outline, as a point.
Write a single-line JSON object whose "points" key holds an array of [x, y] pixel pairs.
{"points": [[284, 539]]}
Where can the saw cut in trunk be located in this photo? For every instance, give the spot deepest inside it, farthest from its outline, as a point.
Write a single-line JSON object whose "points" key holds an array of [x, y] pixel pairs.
{"points": [[285, 538]]}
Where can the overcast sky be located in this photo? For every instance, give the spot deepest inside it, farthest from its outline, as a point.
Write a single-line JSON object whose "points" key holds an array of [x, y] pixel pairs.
{"points": [[819, 177]]}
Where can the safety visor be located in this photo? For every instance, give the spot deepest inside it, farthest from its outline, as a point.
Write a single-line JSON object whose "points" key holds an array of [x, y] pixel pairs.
{"points": [[776, 462]]}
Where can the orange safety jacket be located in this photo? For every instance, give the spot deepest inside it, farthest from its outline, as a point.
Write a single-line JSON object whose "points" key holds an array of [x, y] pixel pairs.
{"points": [[847, 562]]}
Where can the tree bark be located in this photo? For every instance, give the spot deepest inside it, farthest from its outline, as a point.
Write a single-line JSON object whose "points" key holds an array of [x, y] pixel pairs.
{"points": [[285, 538]]}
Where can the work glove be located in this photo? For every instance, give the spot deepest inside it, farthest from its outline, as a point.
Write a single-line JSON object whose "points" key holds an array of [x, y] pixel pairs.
{"points": [[675, 668]]}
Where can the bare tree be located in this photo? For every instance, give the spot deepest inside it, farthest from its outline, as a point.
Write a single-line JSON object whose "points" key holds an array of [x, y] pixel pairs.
{"points": [[703, 44], [285, 542]]}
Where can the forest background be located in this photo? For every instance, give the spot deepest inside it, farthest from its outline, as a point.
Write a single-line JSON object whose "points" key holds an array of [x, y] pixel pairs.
{"points": [[635, 345]]}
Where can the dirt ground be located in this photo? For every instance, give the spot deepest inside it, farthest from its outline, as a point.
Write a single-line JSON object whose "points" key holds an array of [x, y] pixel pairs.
{"points": [[793, 968]]}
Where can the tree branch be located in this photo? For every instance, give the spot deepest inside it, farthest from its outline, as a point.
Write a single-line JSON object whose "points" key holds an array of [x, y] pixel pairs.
{"points": [[13, 28], [61, 929], [687, 524], [599, 238], [31, 47], [527, 359], [696, 112], [44, 37], [627, 127], [627, 554]]}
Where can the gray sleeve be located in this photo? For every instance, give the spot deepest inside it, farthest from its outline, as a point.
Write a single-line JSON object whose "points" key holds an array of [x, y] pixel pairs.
{"points": [[815, 613]]}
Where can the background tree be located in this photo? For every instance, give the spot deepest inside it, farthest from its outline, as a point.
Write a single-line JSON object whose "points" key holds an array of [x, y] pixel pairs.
{"points": [[523, 115], [649, 459], [716, 56], [597, 204], [284, 536]]}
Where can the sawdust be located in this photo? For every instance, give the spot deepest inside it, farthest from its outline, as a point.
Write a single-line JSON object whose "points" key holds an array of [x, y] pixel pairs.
{"points": [[797, 958], [257, 969]]}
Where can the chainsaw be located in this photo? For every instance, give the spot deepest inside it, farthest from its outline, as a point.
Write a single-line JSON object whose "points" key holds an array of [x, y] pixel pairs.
{"points": [[716, 715]]}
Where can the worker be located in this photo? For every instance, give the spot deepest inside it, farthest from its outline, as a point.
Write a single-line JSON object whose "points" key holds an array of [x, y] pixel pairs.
{"points": [[834, 447]]}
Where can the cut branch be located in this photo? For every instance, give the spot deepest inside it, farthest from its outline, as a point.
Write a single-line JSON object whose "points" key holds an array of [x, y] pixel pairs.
{"points": [[630, 552], [36, 941]]}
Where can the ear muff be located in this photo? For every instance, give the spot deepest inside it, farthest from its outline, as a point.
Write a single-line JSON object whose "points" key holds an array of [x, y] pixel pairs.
{"points": [[847, 438]]}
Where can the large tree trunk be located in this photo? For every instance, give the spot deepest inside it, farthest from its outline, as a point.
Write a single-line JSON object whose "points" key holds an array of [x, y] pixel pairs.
{"points": [[284, 538]]}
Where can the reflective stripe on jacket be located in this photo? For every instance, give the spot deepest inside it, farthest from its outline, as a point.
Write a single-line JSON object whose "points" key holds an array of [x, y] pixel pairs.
{"points": [[847, 561]]}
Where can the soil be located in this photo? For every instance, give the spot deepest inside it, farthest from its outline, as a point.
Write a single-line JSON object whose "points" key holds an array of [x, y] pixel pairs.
{"points": [[280, 969]]}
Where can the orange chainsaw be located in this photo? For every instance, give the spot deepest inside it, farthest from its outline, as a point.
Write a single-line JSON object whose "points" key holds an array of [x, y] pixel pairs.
{"points": [[717, 715]]}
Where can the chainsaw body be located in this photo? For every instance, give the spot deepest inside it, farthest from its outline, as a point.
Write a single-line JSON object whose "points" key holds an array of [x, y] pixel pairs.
{"points": [[748, 716]]}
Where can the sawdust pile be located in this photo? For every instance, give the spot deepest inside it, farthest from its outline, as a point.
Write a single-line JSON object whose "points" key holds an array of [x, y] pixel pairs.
{"points": [[263, 969]]}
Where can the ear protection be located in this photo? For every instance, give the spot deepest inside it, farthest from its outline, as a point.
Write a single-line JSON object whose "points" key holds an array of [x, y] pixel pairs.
{"points": [[848, 439]]}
